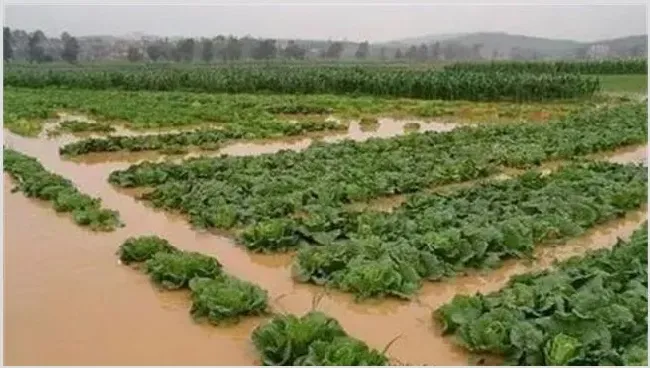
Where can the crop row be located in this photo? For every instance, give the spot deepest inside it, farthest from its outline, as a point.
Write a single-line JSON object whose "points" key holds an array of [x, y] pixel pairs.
{"points": [[152, 109], [588, 311], [423, 84], [34, 181], [227, 192], [216, 296], [313, 339], [201, 138], [621, 66], [432, 236]]}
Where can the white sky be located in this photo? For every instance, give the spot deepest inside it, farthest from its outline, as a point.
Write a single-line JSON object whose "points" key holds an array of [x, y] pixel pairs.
{"points": [[380, 20]]}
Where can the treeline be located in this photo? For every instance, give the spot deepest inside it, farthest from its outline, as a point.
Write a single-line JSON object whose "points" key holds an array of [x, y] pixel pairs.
{"points": [[37, 47]]}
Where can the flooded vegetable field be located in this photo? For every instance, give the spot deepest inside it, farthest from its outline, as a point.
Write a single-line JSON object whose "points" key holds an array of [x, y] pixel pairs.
{"points": [[81, 303]]}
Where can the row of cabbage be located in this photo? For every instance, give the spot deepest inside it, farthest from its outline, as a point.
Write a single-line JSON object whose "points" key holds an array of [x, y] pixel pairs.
{"points": [[434, 236], [36, 182], [391, 82], [205, 138], [216, 296], [246, 115], [590, 310], [231, 192], [609, 66], [219, 298]]}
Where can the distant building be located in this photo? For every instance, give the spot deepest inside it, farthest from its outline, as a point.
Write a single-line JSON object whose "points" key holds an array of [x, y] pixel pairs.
{"points": [[597, 51]]}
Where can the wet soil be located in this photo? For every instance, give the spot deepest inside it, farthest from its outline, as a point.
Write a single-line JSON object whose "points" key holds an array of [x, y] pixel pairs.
{"points": [[69, 302]]}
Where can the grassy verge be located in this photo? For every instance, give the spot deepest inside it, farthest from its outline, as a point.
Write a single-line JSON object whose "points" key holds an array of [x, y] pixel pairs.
{"points": [[625, 83]]}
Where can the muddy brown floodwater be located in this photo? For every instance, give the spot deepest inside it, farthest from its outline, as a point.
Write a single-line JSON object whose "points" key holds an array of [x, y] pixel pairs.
{"points": [[384, 128], [68, 301]]}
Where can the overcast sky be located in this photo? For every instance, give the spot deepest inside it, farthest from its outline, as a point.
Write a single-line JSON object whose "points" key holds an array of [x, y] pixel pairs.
{"points": [[380, 20]]}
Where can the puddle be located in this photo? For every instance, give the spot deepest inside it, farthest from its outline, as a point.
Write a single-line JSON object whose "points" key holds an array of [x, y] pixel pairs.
{"points": [[385, 128], [104, 301], [630, 155]]}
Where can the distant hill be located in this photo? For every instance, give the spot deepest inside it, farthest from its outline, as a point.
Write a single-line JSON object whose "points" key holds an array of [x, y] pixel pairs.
{"points": [[503, 43]]}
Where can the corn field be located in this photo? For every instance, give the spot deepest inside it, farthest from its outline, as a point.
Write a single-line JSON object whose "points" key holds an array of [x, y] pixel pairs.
{"points": [[388, 82], [627, 66]]}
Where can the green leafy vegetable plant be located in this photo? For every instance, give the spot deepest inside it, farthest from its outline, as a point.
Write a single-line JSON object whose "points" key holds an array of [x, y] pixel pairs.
{"points": [[143, 248], [34, 181], [313, 339], [588, 310], [225, 298], [175, 270]]}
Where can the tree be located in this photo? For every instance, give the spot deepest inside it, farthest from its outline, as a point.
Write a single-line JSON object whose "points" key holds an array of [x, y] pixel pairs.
{"points": [[449, 52], [382, 53], [7, 47], [207, 50], [233, 49], [185, 49], [422, 53], [293, 51], [436, 51], [476, 51], [398, 54], [155, 51], [35, 50], [265, 49], [411, 53], [334, 50], [133, 54], [70, 48], [362, 50]]}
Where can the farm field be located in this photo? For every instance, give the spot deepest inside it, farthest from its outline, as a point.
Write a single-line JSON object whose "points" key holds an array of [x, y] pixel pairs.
{"points": [[284, 224]]}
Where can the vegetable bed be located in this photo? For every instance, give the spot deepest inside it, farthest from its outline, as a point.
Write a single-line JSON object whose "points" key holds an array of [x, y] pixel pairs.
{"points": [[229, 192], [314, 339], [589, 310], [216, 297], [432, 236], [34, 181]]}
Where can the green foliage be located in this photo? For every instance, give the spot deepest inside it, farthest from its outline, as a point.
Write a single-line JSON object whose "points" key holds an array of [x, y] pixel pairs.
{"points": [[620, 66], [342, 351], [202, 138], [225, 298], [143, 248], [431, 236], [313, 339], [258, 114], [34, 181], [296, 79], [74, 126], [589, 310], [265, 191], [175, 270]]}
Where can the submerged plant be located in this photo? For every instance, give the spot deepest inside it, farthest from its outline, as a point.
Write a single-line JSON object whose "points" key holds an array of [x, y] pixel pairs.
{"points": [[287, 337], [175, 270], [34, 181], [143, 248], [226, 298]]}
